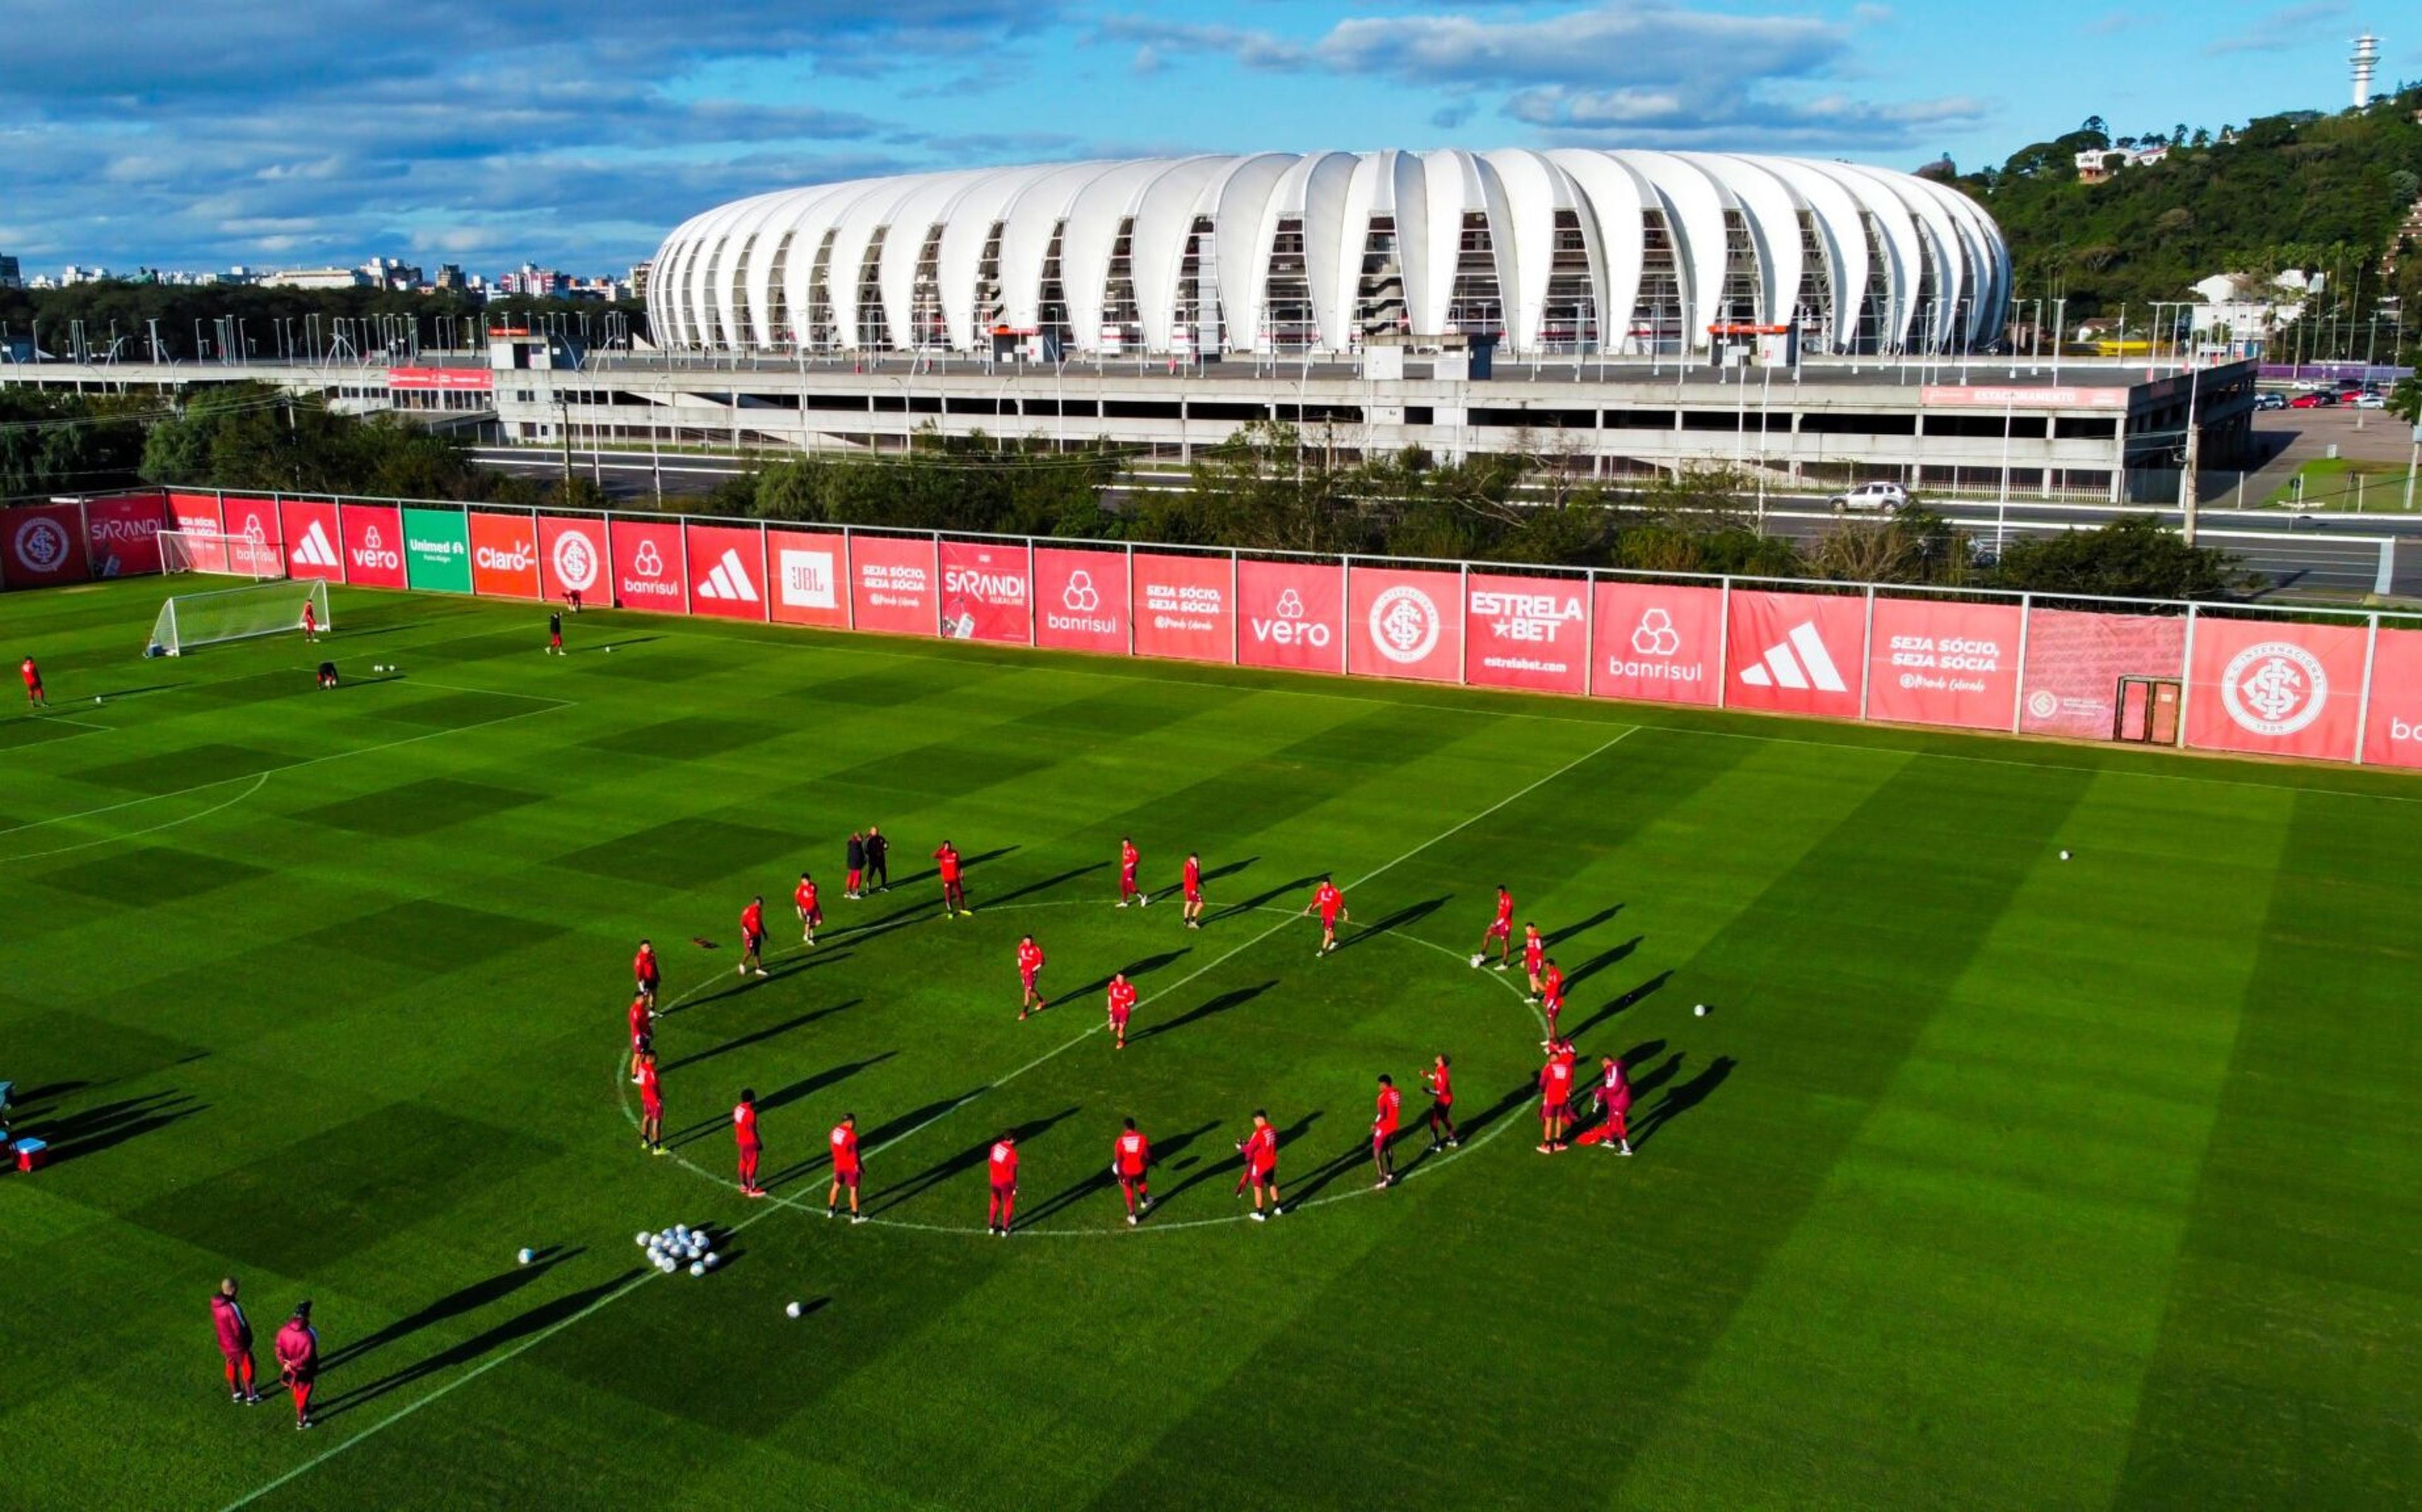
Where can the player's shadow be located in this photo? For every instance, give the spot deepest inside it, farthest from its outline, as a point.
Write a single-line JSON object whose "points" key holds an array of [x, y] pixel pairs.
{"points": [[108, 1125], [1681, 1099], [1234, 998], [454, 1304], [1102, 1181], [1519, 1093], [1618, 1005], [512, 1331], [1355, 1157], [1234, 1165], [1410, 914], [1557, 937], [1045, 885], [1261, 900], [759, 1037], [782, 967], [1231, 869], [964, 1160], [1600, 961], [781, 1097], [967, 865], [1141, 968]]}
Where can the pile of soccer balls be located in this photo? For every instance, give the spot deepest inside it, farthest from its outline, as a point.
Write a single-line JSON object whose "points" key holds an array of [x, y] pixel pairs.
{"points": [[669, 1249]]}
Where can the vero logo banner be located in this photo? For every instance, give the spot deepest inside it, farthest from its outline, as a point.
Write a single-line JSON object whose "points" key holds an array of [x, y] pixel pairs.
{"points": [[1797, 653], [373, 538], [728, 564], [1292, 615]]}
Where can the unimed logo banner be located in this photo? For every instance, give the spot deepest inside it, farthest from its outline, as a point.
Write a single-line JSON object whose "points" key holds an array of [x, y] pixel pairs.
{"points": [[258, 546], [2272, 688], [892, 584], [727, 571], [1796, 653], [2075, 661], [1526, 632], [984, 595], [314, 543], [373, 545], [648, 565], [122, 533], [1185, 607], [572, 558], [43, 546], [437, 551], [806, 568], [1657, 643], [2393, 738], [1293, 614], [1080, 600], [1931, 662], [199, 512], [1405, 625], [504, 555]]}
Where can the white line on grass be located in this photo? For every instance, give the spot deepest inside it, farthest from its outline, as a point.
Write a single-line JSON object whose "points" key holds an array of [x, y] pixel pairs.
{"points": [[635, 1283], [258, 783]]}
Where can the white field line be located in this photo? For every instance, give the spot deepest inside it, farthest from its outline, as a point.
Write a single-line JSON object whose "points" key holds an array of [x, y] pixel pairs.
{"points": [[258, 783]]}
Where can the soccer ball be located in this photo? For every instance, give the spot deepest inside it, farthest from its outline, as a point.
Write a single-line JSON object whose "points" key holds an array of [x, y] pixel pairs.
{"points": [[713, 1259], [2064, 855], [524, 1257], [792, 1310], [1476, 960], [697, 1268], [647, 1240], [1698, 1011]]}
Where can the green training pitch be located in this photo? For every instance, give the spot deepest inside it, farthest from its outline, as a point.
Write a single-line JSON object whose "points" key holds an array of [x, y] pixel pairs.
{"points": [[1988, 1180]]}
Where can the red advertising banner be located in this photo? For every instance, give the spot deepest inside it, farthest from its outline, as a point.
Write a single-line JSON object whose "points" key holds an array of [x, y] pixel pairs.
{"points": [[45, 546], [504, 555], [984, 595], [2075, 661], [122, 533], [1657, 643], [1080, 600], [1526, 632], [1293, 614], [1932, 662], [314, 546], [1405, 625], [727, 571], [2394, 734], [1185, 607], [199, 512], [259, 547], [374, 544], [805, 568], [1796, 653], [572, 556], [2270, 688], [648, 565], [444, 380], [892, 584]]}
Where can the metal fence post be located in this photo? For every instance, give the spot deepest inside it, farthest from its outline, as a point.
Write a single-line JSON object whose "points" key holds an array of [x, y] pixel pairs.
{"points": [[1866, 652], [2186, 680], [1723, 639], [1345, 614], [1235, 608], [2019, 686], [2362, 704], [1463, 622], [1589, 632], [1033, 606], [848, 580], [1131, 599]]}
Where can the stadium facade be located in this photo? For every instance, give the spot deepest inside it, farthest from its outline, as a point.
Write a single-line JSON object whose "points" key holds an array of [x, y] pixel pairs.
{"points": [[1549, 252]]}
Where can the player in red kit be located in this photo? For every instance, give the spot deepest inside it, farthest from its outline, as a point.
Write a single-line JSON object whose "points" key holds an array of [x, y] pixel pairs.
{"points": [[310, 621], [1614, 1099], [744, 1136], [1534, 954], [235, 1339], [1500, 932], [1555, 1102], [1122, 1002], [1439, 1079], [1130, 1158], [1551, 994], [35, 696], [804, 897], [954, 892], [298, 1361], [1192, 914], [846, 1168], [752, 937], [1331, 904], [642, 1032], [1130, 859], [647, 973], [652, 1105], [1385, 1110], [1029, 970], [1260, 1150], [1004, 1164]]}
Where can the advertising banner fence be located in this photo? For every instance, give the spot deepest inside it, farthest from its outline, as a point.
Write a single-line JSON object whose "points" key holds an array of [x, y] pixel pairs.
{"points": [[2393, 724], [1795, 653], [258, 547], [1659, 643], [373, 540], [45, 547], [727, 571], [1931, 661], [123, 534], [984, 592], [1185, 606], [314, 540], [891, 583], [2269, 687], [437, 550], [572, 558], [1080, 600], [2075, 661], [199, 512], [504, 555], [1292, 614], [1528, 632], [806, 568], [649, 565]]}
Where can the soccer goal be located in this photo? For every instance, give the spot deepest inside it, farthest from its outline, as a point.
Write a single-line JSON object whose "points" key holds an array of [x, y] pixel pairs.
{"points": [[217, 553], [191, 620]]}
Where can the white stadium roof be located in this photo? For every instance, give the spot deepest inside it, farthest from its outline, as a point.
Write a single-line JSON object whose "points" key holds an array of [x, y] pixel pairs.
{"points": [[1562, 250]]}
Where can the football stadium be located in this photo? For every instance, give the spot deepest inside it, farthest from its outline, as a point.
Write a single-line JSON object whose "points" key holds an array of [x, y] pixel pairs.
{"points": [[1924, 1093]]}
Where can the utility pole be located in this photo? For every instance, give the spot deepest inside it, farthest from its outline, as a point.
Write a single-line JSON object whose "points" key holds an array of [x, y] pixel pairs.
{"points": [[2187, 472], [563, 435]]}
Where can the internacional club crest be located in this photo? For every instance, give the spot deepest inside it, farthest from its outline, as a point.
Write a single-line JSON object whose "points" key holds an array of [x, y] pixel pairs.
{"points": [[1405, 625], [575, 561], [40, 545], [2275, 688]]}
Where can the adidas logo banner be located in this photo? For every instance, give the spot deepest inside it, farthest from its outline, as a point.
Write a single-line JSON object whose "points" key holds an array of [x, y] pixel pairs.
{"points": [[1788, 651], [727, 571]]}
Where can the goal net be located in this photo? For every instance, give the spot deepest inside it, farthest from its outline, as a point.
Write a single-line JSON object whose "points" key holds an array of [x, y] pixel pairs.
{"points": [[216, 552], [191, 620]]}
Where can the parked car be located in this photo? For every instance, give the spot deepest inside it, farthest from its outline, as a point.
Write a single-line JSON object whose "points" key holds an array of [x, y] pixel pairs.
{"points": [[2370, 401], [2269, 401], [2321, 401], [1891, 498]]}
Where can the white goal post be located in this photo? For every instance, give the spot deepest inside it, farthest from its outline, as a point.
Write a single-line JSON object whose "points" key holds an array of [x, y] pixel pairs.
{"points": [[218, 552], [191, 620]]}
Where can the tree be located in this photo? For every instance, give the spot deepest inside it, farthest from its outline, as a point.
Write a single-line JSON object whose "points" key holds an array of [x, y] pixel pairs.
{"points": [[2132, 559]]}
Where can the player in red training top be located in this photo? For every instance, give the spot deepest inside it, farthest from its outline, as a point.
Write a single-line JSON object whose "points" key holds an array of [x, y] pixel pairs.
{"points": [[1551, 994], [310, 621], [1385, 1109], [1129, 860], [846, 1168], [652, 1105], [752, 937], [1502, 931], [1260, 1150], [1130, 1158], [1331, 904], [744, 1136], [1534, 954], [1029, 969], [647, 973], [1440, 1080], [298, 1361], [1192, 884], [235, 1339], [1122, 1002], [810, 914], [1003, 1163], [954, 892], [1555, 1101], [1614, 1099], [35, 696], [642, 1031]]}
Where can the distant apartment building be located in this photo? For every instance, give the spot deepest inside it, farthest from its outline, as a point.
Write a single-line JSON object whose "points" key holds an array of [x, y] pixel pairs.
{"points": [[9, 275], [319, 278]]}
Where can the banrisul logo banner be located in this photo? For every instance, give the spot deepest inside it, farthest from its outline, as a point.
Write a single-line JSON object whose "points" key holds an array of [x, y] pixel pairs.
{"points": [[438, 550]]}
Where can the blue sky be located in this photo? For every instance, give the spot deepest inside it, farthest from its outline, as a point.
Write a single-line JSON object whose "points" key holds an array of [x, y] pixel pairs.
{"points": [[240, 130]]}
